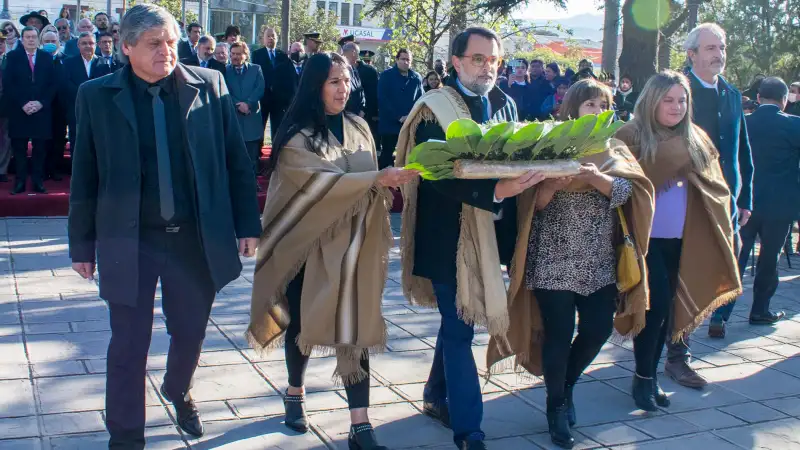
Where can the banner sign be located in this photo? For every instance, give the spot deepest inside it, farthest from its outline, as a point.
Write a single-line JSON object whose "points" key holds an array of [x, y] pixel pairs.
{"points": [[367, 34]]}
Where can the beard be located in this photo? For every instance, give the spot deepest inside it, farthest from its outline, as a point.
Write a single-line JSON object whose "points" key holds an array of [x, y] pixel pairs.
{"points": [[476, 85]]}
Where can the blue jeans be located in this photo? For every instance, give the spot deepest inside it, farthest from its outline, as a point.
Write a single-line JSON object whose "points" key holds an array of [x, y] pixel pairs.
{"points": [[454, 376]]}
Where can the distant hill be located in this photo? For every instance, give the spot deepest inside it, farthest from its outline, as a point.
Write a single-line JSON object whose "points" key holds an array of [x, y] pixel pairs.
{"points": [[583, 26]]}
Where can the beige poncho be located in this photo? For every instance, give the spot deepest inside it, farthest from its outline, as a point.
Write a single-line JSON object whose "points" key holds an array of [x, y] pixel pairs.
{"points": [[325, 211]]}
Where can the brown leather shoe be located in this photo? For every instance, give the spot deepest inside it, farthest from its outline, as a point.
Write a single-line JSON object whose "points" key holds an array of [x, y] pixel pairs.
{"points": [[684, 375]]}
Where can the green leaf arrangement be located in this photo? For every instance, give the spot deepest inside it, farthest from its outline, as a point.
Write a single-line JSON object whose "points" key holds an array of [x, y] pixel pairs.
{"points": [[512, 142]]}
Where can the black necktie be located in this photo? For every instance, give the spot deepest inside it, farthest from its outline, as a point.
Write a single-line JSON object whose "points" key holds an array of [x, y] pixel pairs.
{"points": [[165, 193]]}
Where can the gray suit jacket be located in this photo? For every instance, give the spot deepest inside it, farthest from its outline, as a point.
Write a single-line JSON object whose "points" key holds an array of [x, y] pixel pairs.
{"points": [[105, 195], [248, 88]]}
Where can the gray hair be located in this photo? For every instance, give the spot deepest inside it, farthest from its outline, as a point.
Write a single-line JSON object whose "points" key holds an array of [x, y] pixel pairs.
{"points": [[693, 39], [224, 45], [142, 18], [350, 47], [59, 20], [206, 40], [85, 34]]}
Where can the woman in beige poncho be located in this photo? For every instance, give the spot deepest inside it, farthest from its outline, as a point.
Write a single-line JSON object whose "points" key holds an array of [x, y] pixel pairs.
{"points": [[322, 257]]}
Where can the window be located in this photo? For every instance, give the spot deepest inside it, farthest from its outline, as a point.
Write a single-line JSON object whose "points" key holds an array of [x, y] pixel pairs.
{"points": [[344, 19], [321, 5], [219, 20], [333, 7], [245, 23], [357, 14]]}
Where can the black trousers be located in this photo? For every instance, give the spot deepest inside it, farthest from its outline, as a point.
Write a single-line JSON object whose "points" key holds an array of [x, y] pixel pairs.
{"points": [[187, 294], [254, 151], [388, 144], [563, 358], [55, 151], [772, 231], [275, 119], [38, 155], [297, 362], [663, 262]]}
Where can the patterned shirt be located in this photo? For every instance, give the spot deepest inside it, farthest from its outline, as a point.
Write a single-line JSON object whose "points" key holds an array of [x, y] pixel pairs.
{"points": [[571, 247]]}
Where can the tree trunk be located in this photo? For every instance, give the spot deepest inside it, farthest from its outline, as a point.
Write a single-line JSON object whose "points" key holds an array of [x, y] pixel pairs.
{"points": [[664, 56], [639, 48], [610, 36], [459, 20]]}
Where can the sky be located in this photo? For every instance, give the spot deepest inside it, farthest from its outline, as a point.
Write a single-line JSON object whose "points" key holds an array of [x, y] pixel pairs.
{"points": [[546, 11]]}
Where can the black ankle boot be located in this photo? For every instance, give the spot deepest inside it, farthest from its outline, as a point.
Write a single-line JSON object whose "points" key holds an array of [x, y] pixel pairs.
{"points": [[295, 407], [362, 437], [558, 423], [643, 393], [661, 397], [571, 416]]}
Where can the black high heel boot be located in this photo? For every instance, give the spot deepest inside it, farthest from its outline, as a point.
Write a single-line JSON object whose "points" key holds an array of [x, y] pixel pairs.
{"points": [[295, 407], [643, 393], [362, 437], [661, 397], [571, 416], [558, 423]]}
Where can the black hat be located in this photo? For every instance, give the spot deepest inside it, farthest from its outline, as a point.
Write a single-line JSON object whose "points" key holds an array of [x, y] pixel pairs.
{"points": [[346, 39], [313, 36], [24, 19], [366, 54]]}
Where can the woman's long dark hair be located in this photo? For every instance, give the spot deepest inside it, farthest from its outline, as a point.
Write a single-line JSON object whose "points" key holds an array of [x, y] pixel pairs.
{"points": [[307, 109]]}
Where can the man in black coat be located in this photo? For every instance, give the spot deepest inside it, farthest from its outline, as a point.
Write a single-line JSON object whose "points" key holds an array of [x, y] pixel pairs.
{"points": [[356, 103], [204, 57], [76, 71], [286, 80], [452, 393], [269, 58], [31, 82], [775, 142], [369, 81], [106, 62], [625, 98], [188, 47], [162, 188]]}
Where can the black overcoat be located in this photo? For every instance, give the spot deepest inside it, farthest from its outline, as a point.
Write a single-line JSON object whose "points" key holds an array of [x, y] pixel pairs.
{"points": [[107, 175], [22, 86]]}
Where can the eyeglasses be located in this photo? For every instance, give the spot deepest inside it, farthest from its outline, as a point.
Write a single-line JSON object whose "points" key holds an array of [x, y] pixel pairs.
{"points": [[64, 27], [479, 60]]}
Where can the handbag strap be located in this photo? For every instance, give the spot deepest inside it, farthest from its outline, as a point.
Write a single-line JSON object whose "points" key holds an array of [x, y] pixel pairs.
{"points": [[624, 224]]}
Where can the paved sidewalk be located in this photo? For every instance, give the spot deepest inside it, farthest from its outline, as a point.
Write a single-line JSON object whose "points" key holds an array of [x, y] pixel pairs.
{"points": [[54, 333]]}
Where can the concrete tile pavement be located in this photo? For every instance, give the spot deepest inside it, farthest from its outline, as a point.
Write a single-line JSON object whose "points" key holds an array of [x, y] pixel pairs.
{"points": [[54, 333]]}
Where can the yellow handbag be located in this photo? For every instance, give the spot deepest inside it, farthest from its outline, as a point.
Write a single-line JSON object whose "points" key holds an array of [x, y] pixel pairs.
{"points": [[628, 272]]}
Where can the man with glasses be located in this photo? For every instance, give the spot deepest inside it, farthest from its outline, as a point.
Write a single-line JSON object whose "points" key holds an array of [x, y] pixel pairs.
{"points": [[71, 47], [434, 271], [64, 35], [399, 87], [106, 62]]}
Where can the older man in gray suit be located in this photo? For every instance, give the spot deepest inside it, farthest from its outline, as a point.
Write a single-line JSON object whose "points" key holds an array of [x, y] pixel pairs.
{"points": [[246, 85]]}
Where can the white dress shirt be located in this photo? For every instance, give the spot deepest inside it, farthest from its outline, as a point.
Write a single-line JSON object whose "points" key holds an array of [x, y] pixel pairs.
{"points": [[88, 66]]}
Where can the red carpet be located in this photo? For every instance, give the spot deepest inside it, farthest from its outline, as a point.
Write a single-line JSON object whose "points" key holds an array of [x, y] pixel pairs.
{"points": [[56, 201]]}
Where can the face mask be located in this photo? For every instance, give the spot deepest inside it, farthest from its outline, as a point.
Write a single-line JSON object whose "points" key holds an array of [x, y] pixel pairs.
{"points": [[50, 48], [295, 56], [792, 98]]}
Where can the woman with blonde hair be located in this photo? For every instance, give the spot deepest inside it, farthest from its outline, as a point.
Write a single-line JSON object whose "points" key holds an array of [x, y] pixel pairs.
{"points": [[691, 264], [565, 262]]}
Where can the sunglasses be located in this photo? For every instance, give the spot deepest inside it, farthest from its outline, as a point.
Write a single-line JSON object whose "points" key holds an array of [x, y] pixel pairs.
{"points": [[8, 30], [63, 27]]}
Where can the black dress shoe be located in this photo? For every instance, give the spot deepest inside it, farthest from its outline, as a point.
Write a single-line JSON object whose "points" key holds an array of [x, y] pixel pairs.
{"points": [[19, 188], [473, 445], [362, 437], [437, 411], [295, 408], [571, 415], [643, 393], [661, 397], [39, 189], [769, 318], [188, 416]]}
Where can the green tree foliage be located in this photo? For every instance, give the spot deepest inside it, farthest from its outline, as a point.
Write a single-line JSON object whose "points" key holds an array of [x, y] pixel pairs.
{"points": [[173, 6], [763, 37], [301, 22], [420, 25], [547, 55]]}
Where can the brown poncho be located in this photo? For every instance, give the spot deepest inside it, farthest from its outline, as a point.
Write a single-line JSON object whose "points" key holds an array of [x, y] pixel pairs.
{"points": [[480, 296], [709, 275], [325, 211], [524, 337]]}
